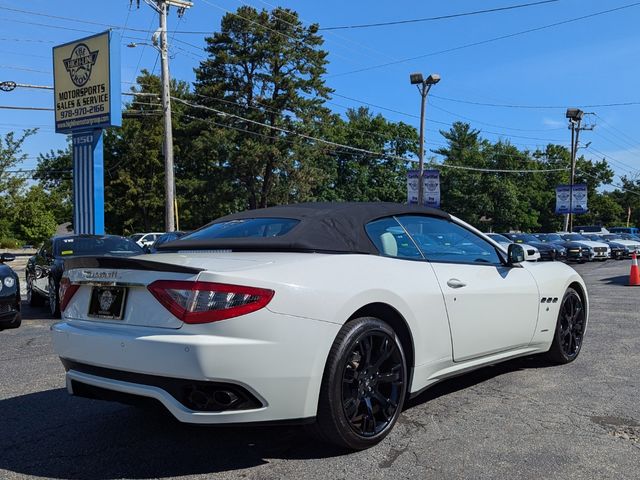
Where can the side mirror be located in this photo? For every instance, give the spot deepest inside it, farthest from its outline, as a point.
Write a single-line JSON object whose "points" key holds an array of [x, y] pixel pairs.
{"points": [[7, 257], [515, 254]]}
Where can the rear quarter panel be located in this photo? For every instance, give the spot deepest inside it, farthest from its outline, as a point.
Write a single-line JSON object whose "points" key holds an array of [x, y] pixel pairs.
{"points": [[331, 288]]}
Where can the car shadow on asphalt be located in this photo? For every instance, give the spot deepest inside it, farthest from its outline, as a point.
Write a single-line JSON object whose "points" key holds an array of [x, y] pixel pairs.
{"points": [[475, 377], [619, 280], [35, 313], [50, 434]]}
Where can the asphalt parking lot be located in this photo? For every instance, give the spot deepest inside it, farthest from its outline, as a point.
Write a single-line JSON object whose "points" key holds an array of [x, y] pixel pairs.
{"points": [[515, 420]]}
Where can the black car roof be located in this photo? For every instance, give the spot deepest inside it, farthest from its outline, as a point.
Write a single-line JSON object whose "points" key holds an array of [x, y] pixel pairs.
{"points": [[324, 227]]}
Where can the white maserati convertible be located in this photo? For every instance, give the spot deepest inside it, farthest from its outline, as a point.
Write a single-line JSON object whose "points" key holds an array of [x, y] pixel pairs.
{"points": [[329, 313]]}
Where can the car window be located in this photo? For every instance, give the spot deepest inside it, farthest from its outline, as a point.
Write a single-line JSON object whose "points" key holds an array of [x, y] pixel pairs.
{"points": [[391, 240], [498, 238], [445, 241], [250, 227], [76, 246]]}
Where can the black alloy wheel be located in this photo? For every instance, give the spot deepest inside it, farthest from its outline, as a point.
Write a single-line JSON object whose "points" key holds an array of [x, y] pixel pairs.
{"points": [[372, 382], [54, 301], [570, 328], [364, 385]]}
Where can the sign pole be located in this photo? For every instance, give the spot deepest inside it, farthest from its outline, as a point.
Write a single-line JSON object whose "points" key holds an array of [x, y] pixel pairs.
{"points": [[88, 182]]}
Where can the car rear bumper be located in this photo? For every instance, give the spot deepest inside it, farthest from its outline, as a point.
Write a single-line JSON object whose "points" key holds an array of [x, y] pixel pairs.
{"points": [[279, 373]]}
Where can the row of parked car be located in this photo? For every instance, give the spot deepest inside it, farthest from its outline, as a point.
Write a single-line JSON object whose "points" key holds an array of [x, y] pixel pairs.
{"points": [[573, 247]]}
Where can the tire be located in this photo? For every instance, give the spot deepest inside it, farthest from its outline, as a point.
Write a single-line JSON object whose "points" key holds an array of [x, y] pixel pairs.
{"points": [[364, 385], [34, 299], [54, 301], [569, 334]]}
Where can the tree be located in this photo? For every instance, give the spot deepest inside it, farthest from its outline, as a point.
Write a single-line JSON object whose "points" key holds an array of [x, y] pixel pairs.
{"points": [[134, 164], [34, 219], [355, 174], [265, 70], [12, 183], [55, 175]]}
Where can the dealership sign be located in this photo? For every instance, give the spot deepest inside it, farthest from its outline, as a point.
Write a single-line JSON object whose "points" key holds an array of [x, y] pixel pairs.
{"points": [[571, 200], [86, 87], [431, 187]]}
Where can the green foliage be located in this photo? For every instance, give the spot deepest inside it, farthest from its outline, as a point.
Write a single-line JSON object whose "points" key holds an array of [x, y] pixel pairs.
{"points": [[134, 162], [12, 184], [34, 220], [54, 172], [515, 201], [246, 137], [267, 67], [12, 243]]}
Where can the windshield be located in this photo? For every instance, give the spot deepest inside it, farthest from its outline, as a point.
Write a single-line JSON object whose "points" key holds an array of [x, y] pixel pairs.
{"points": [[550, 237], [525, 237], [612, 237], [251, 227], [499, 238], [167, 237], [574, 237], [73, 246], [136, 236]]}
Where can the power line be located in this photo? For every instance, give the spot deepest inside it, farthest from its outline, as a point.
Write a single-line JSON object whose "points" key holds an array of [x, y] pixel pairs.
{"points": [[500, 170], [12, 107], [536, 107], [609, 183], [489, 40], [24, 69], [441, 17]]}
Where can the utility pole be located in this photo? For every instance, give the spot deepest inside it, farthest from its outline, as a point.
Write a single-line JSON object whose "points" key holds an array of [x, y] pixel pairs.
{"points": [[162, 7], [423, 87], [575, 116]]}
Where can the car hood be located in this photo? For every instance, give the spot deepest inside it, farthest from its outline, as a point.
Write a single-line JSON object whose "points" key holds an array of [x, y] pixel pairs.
{"points": [[590, 243], [626, 243], [6, 270]]}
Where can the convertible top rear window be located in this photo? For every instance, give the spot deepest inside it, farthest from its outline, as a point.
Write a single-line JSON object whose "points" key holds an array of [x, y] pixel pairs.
{"points": [[245, 228]]}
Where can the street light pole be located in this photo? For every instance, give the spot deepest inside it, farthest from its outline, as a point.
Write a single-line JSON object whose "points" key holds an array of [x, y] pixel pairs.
{"points": [[575, 116], [423, 87], [423, 92]]}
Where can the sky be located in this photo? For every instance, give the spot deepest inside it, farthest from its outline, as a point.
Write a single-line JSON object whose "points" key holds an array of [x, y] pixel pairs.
{"points": [[525, 81]]}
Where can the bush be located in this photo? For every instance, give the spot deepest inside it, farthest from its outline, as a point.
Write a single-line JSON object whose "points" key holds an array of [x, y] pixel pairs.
{"points": [[6, 242]]}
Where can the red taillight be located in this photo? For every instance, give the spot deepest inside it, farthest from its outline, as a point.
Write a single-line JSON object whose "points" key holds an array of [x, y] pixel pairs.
{"points": [[66, 291], [205, 302]]}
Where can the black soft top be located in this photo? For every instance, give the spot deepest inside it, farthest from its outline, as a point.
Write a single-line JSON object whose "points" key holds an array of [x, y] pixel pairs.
{"points": [[337, 227]]}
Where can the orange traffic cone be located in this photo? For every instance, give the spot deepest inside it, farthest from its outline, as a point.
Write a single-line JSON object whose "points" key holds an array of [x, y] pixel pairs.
{"points": [[634, 275]]}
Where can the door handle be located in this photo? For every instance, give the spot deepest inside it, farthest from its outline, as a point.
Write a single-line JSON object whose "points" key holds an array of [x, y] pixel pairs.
{"points": [[455, 283]]}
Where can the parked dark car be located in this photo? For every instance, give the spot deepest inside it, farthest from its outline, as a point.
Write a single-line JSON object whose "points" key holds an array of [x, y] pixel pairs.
{"points": [[574, 251], [618, 250], [547, 251], [164, 238], [44, 270], [9, 295]]}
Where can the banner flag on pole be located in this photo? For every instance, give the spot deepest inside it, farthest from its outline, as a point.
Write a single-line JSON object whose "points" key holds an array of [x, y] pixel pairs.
{"points": [[564, 202], [431, 182], [431, 187], [412, 186]]}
